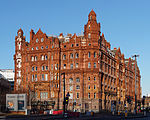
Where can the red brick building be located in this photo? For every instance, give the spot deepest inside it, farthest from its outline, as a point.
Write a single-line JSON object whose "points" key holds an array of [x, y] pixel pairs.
{"points": [[95, 74]]}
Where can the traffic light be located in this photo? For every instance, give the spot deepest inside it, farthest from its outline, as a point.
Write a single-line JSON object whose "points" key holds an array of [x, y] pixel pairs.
{"points": [[129, 99], [66, 100]]}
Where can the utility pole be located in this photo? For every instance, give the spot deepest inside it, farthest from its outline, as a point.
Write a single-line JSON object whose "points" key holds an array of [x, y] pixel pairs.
{"points": [[135, 56]]}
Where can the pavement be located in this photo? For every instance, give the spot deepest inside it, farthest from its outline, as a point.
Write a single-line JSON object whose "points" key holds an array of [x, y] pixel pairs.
{"points": [[100, 116]]}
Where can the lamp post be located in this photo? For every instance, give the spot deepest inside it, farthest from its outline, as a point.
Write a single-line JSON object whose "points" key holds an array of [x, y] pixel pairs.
{"points": [[135, 56]]}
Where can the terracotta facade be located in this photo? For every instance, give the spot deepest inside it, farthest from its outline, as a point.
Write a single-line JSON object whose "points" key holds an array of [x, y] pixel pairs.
{"points": [[95, 74]]}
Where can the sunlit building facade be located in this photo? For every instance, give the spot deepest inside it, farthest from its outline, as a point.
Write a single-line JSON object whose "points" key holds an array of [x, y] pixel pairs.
{"points": [[96, 76]]}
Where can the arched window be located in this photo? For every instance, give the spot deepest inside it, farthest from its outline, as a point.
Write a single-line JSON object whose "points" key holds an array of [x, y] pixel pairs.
{"points": [[32, 58], [36, 68], [37, 40], [71, 55], [32, 68], [77, 55], [42, 39], [35, 77], [89, 54], [64, 57], [45, 57], [42, 57], [35, 58], [94, 54], [42, 67]]}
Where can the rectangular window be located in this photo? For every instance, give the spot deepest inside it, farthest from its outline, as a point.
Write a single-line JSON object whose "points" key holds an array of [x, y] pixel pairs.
{"points": [[89, 65], [71, 55], [52, 57], [76, 65], [32, 78], [94, 95], [94, 65], [42, 76], [89, 95], [46, 77], [71, 66], [77, 95], [35, 77], [32, 68], [51, 66], [46, 67], [94, 86], [36, 68], [89, 54], [64, 66], [42, 67]]}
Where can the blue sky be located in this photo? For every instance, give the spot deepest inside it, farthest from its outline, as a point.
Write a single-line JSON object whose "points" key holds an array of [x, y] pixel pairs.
{"points": [[125, 24]]}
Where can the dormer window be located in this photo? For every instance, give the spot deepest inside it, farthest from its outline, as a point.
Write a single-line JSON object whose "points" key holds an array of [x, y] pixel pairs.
{"points": [[37, 40], [42, 39]]}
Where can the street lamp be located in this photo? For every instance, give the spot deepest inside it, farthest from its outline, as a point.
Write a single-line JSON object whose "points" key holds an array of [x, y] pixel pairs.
{"points": [[135, 56]]}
